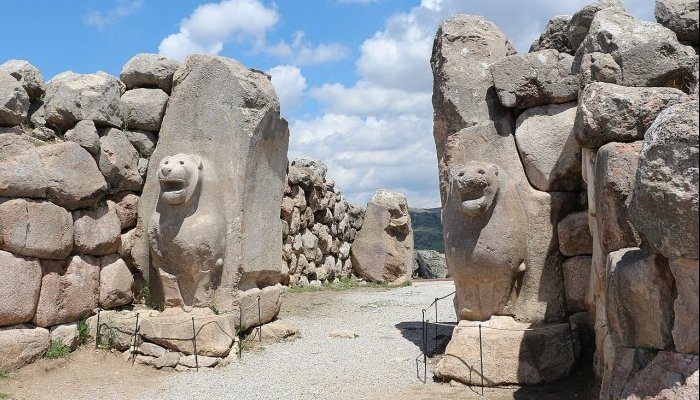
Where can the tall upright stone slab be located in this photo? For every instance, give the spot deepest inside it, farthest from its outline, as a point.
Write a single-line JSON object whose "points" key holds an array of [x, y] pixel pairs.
{"points": [[212, 197]]}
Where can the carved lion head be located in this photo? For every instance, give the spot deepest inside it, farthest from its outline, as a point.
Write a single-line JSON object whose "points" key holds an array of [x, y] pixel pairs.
{"points": [[178, 176], [475, 186]]}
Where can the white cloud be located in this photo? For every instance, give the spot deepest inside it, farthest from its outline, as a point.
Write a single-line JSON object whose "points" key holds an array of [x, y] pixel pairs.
{"points": [[211, 25], [123, 9], [289, 84], [367, 98], [301, 52]]}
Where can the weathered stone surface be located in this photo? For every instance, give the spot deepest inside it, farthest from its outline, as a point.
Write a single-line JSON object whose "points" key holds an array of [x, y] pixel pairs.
{"points": [[21, 170], [85, 134], [201, 361], [429, 264], [44, 134], [125, 204], [144, 108], [555, 36], [21, 345], [73, 179], [243, 168], [307, 171], [627, 363], [669, 376], [576, 271], [533, 79], [550, 154], [66, 334], [69, 290], [151, 350], [116, 328], [72, 97], [685, 307], [581, 21], [169, 359], [664, 207], [630, 42], [278, 330], [28, 75], [615, 168], [12, 142], [96, 231], [612, 113], [143, 141], [19, 288], [149, 71], [574, 235], [14, 101], [639, 297], [383, 249], [680, 16], [36, 229], [116, 282], [513, 353], [118, 161], [270, 303], [214, 332]]}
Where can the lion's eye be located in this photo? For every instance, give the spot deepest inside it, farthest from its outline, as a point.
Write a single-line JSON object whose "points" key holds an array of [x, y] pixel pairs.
{"points": [[165, 162], [461, 174], [182, 163]]}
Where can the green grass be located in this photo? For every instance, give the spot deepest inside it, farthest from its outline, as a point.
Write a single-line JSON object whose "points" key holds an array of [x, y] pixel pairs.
{"points": [[345, 284], [4, 396], [4, 375], [57, 350], [83, 331]]}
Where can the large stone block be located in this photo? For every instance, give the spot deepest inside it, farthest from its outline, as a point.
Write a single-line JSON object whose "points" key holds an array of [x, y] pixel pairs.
{"points": [[680, 16], [612, 113], [577, 272], [639, 297], [36, 229], [223, 124], [14, 100], [144, 108], [555, 36], [20, 281], [69, 290], [97, 231], [383, 248], [533, 79], [118, 161], [685, 307], [116, 282], [149, 71], [21, 170], [550, 154], [72, 97], [21, 345], [581, 21], [664, 207], [85, 134], [574, 235], [669, 376], [28, 75], [513, 353]]}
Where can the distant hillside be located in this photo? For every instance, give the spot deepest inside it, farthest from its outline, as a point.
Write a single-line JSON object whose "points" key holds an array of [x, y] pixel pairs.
{"points": [[427, 229]]}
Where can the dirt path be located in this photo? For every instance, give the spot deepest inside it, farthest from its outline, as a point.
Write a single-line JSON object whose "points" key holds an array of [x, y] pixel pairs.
{"points": [[378, 362]]}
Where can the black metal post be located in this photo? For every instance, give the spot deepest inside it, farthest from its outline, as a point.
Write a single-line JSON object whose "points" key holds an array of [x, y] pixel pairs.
{"points": [[97, 334], [425, 350], [133, 347], [240, 332], [481, 361], [436, 327], [194, 345], [259, 321]]}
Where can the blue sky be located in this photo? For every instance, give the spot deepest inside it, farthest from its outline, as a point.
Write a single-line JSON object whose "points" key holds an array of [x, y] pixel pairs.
{"points": [[353, 76]]}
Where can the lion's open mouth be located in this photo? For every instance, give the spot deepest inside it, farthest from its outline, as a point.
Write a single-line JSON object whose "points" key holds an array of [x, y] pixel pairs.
{"points": [[173, 185], [474, 198]]}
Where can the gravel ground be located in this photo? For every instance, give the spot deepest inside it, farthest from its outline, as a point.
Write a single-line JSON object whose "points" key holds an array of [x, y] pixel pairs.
{"points": [[378, 363]]}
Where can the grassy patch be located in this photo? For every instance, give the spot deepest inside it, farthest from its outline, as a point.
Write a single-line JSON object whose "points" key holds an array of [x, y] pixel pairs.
{"points": [[83, 331], [4, 375], [57, 350], [4, 396], [346, 284]]}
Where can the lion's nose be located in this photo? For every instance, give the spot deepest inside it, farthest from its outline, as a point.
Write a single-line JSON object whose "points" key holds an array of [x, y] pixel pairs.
{"points": [[166, 170]]}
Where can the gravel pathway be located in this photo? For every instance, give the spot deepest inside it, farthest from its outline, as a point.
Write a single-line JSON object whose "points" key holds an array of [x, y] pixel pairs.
{"points": [[380, 361]]}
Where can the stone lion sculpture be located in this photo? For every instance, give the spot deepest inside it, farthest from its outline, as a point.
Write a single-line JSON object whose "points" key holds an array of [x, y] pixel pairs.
{"points": [[485, 240], [186, 234]]}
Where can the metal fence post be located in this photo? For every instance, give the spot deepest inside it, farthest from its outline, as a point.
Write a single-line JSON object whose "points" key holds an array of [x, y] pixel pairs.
{"points": [[97, 333], [425, 350], [194, 345], [259, 322], [133, 347]]}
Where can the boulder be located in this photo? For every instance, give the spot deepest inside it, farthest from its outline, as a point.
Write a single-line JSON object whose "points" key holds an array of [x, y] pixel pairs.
{"points": [[21, 170], [36, 229], [615, 167], [383, 249], [306, 171], [581, 21], [96, 231], [66, 334], [685, 307], [116, 282], [143, 141], [69, 290], [44, 134], [429, 264], [550, 154], [21, 345], [144, 108], [664, 207], [639, 295], [73, 179], [270, 304], [151, 350], [72, 97], [574, 235], [277, 330], [116, 328], [174, 330], [118, 161], [20, 281], [627, 362], [30, 77], [199, 362], [576, 272], [14, 101], [169, 359], [669, 376], [680, 16], [85, 134], [555, 36], [125, 204], [612, 113], [533, 79], [12, 143], [149, 71], [514, 353], [629, 42]]}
